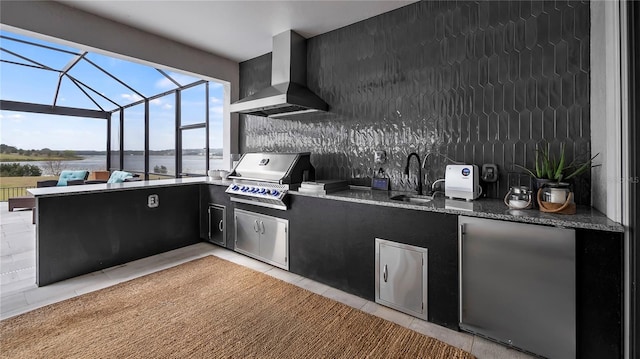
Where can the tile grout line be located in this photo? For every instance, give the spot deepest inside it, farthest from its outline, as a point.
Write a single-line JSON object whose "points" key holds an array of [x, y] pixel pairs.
{"points": [[18, 270]]}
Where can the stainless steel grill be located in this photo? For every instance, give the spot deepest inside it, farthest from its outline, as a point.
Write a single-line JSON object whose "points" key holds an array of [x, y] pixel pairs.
{"points": [[264, 179]]}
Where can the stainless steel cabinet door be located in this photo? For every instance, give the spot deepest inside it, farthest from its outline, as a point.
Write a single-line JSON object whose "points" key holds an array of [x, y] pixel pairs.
{"points": [[401, 277], [274, 241], [517, 285], [263, 237], [217, 226], [247, 233]]}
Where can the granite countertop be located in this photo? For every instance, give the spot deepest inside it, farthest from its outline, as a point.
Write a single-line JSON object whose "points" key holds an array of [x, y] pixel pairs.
{"points": [[585, 217], [106, 187]]}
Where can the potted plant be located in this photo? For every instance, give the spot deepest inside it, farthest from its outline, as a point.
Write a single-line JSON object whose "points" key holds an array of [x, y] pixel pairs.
{"points": [[553, 172]]}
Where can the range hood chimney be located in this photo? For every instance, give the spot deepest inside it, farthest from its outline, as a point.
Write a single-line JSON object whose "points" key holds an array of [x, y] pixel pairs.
{"points": [[288, 94]]}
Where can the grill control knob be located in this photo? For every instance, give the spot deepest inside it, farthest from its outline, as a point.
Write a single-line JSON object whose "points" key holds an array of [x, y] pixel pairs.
{"points": [[235, 187], [275, 193]]}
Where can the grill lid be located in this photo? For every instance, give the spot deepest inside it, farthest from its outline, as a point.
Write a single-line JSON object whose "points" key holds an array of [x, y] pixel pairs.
{"points": [[282, 168]]}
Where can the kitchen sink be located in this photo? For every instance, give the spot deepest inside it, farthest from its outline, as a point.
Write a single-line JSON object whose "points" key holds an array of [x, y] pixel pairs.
{"points": [[412, 198]]}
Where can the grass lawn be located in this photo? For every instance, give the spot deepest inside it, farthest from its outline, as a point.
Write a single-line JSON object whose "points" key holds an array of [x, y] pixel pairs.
{"points": [[14, 157]]}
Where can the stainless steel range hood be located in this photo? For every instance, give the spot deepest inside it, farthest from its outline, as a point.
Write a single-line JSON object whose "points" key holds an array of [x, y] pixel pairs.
{"points": [[288, 94]]}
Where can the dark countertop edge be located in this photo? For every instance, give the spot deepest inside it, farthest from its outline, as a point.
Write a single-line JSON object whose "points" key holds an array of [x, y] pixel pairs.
{"points": [[497, 209], [531, 216]]}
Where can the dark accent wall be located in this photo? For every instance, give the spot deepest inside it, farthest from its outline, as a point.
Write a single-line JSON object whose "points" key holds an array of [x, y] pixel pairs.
{"points": [[478, 82]]}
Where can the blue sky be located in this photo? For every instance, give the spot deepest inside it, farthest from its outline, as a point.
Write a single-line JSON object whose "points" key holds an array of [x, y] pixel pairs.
{"points": [[35, 131]]}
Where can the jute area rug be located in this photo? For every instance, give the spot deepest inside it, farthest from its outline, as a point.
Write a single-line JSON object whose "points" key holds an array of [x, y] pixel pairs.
{"points": [[210, 308]]}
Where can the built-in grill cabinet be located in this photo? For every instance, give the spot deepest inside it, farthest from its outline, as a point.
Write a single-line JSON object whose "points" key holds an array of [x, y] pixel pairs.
{"points": [[262, 237]]}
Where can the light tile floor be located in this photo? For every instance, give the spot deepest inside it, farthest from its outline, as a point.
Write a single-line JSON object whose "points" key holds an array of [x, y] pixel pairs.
{"points": [[19, 294]]}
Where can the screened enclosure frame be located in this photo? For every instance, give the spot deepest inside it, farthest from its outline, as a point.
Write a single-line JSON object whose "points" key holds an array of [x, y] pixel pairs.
{"points": [[93, 94]]}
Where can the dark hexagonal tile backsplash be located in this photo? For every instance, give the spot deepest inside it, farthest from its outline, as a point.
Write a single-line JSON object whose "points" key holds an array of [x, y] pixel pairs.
{"points": [[477, 82]]}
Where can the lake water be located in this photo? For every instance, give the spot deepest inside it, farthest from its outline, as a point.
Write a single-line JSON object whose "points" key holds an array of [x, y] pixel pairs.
{"points": [[190, 164]]}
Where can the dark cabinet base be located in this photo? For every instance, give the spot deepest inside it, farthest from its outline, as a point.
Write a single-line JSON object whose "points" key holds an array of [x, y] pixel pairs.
{"points": [[333, 242], [83, 233], [599, 288]]}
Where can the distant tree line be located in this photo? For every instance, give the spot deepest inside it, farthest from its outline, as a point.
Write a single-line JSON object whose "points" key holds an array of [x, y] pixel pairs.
{"points": [[17, 170], [45, 152]]}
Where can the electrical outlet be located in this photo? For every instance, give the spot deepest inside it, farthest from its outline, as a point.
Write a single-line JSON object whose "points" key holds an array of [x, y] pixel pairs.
{"points": [[489, 172], [153, 201], [379, 157]]}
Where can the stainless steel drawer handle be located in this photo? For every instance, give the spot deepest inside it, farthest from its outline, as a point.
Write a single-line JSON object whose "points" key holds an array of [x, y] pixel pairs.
{"points": [[221, 225], [256, 226], [262, 227], [385, 274]]}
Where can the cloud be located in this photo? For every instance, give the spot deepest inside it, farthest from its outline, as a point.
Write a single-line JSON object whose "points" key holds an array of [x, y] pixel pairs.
{"points": [[164, 83], [214, 100], [11, 117], [163, 105], [215, 110], [131, 97]]}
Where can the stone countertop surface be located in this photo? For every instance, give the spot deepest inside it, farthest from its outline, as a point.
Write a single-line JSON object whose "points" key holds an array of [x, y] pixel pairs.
{"points": [[106, 187], [585, 218]]}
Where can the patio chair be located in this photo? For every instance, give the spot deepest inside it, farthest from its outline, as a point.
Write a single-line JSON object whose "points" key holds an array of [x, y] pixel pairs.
{"points": [[67, 178]]}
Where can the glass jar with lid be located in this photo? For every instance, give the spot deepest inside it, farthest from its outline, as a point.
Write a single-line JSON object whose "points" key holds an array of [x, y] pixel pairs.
{"points": [[518, 197]]}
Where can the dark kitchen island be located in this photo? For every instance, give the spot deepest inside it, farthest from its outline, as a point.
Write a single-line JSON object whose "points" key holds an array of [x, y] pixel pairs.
{"points": [[82, 229]]}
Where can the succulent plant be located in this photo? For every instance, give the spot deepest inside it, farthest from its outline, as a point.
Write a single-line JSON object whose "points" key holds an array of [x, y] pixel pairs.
{"points": [[547, 166]]}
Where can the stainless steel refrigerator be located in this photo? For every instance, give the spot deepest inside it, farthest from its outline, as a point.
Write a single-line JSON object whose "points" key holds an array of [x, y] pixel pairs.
{"points": [[517, 285]]}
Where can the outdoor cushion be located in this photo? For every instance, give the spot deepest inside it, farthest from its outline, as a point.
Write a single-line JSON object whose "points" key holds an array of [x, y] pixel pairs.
{"points": [[119, 176], [71, 175]]}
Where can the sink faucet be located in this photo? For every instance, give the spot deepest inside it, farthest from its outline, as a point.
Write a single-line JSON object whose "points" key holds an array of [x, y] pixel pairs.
{"points": [[425, 165], [406, 170]]}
